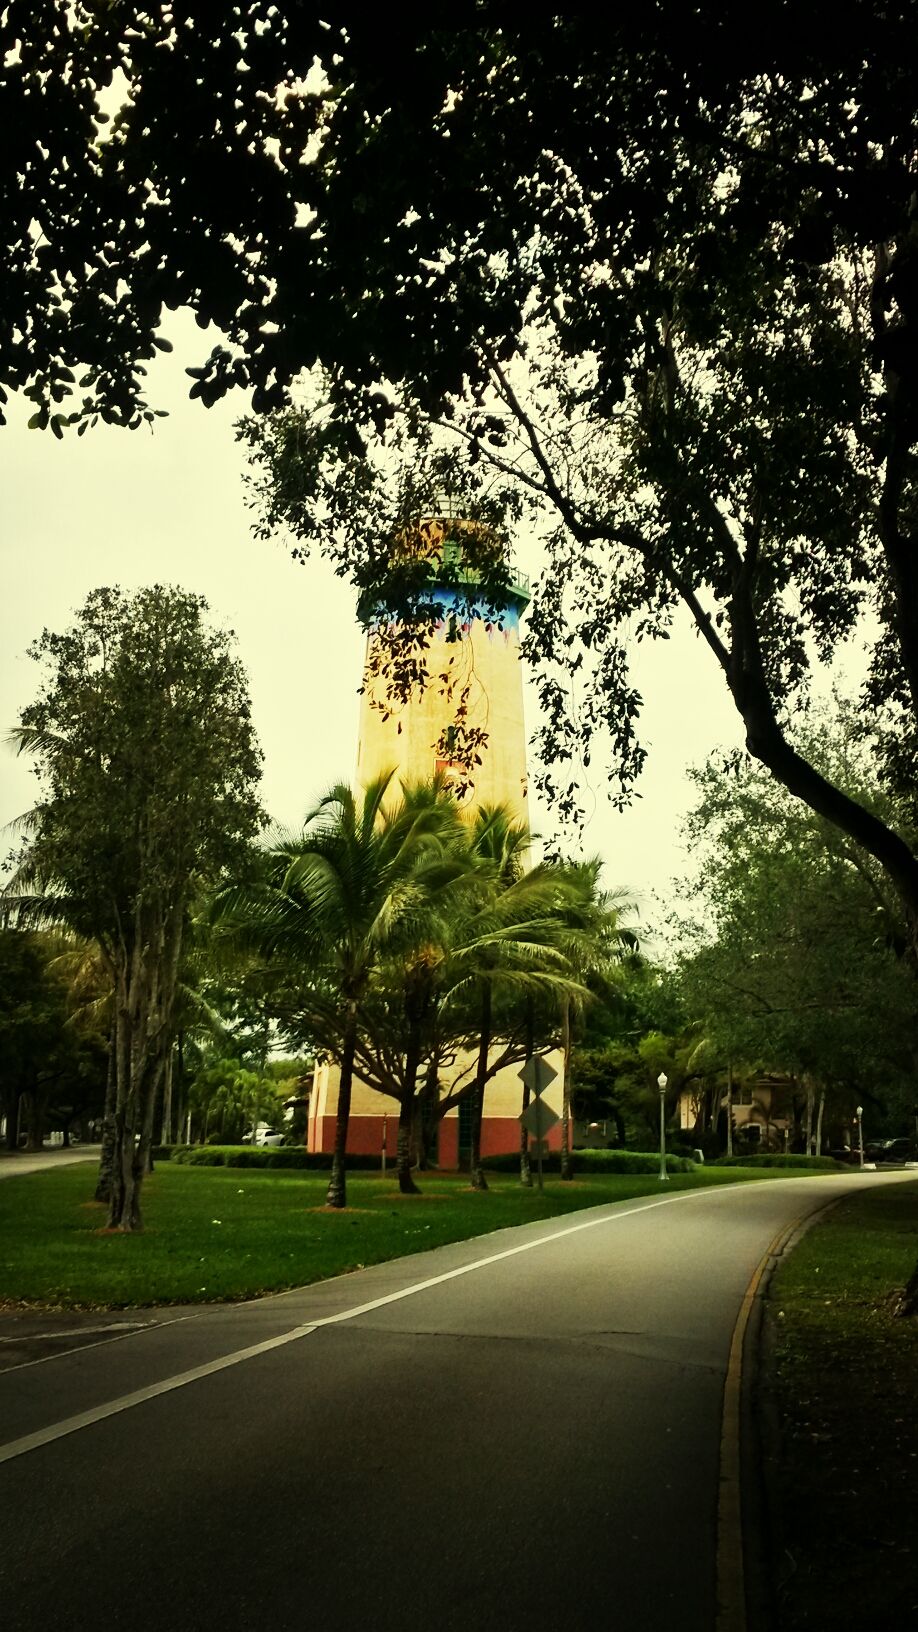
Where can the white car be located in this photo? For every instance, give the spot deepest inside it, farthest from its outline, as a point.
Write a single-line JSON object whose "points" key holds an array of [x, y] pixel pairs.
{"points": [[264, 1135]]}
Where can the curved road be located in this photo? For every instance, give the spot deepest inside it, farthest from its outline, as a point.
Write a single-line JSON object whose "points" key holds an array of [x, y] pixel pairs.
{"points": [[521, 1431]]}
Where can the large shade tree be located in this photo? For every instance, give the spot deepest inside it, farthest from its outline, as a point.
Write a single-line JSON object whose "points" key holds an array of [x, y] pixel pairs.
{"points": [[147, 766], [656, 274], [792, 941]]}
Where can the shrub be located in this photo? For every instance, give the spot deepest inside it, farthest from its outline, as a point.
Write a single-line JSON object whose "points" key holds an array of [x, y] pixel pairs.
{"points": [[278, 1156], [295, 1156], [768, 1158], [629, 1161], [598, 1161]]}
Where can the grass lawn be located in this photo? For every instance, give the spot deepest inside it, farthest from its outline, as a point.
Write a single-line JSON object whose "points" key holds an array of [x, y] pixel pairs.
{"points": [[222, 1233], [846, 1370]]}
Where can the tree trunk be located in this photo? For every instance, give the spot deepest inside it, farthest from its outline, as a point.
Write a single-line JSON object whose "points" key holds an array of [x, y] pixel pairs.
{"points": [[144, 1156], [107, 1156], [11, 1111], [337, 1185], [427, 1114], [178, 1089], [476, 1171], [525, 1163], [730, 1109], [165, 1127], [819, 1116], [35, 1117], [808, 1132], [567, 1171], [139, 1065], [406, 1183]]}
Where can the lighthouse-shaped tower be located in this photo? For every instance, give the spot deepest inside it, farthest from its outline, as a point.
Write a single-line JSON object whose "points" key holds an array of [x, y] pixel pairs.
{"points": [[472, 689], [470, 673]]}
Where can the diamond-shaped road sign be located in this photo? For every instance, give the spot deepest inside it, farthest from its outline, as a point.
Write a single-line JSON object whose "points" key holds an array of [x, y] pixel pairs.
{"points": [[537, 1074], [539, 1119]]}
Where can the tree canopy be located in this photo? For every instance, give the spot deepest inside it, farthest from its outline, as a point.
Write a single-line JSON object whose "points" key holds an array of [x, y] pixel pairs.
{"points": [[791, 953], [651, 280], [147, 764]]}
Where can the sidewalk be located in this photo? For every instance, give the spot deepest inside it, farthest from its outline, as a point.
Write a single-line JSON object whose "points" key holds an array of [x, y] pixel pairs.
{"points": [[13, 1163]]}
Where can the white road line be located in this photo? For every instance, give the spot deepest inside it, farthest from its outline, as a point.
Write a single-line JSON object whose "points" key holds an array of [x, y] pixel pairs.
{"points": [[82, 1348], [85, 1419]]}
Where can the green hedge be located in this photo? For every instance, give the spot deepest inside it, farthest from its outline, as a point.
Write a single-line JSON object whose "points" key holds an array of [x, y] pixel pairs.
{"points": [[598, 1161], [284, 1156], [811, 1164]]}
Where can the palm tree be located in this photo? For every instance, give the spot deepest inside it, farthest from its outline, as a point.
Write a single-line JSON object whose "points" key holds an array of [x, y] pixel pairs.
{"points": [[336, 899], [507, 944], [595, 943]]}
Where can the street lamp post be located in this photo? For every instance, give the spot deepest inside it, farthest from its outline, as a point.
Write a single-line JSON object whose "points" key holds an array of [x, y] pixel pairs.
{"points": [[860, 1132], [662, 1080]]}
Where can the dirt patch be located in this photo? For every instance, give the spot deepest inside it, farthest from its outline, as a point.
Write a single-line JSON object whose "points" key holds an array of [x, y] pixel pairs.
{"points": [[337, 1212], [423, 1195]]}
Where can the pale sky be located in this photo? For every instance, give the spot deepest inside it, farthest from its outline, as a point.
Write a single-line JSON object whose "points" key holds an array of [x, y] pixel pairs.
{"points": [[137, 508]]}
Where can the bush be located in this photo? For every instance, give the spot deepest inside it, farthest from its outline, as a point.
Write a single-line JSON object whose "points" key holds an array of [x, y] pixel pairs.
{"points": [[768, 1158], [597, 1161], [629, 1161], [283, 1156]]}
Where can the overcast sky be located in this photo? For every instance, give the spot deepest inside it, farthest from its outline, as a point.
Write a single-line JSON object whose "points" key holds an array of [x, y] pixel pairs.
{"points": [[138, 508]]}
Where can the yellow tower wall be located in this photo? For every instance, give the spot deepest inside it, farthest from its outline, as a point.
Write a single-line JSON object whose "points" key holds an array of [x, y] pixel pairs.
{"points": [[485, 658]]}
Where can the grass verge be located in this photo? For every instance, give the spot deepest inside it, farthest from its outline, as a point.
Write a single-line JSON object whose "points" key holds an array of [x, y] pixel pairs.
{"points": [[220, 1233], [845, 1370]]}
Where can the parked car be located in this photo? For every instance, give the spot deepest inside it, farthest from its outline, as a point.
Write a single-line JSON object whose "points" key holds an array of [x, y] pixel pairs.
{"points": [[263, 1135], [896, 1150]]}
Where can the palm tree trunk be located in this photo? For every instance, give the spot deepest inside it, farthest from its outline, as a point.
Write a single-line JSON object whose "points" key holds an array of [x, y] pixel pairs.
{"points": [[476, 1171], [819, 1116], [525, 1163], [406, 1183], [567, 1171], [337, 1184], [427, 1118]]}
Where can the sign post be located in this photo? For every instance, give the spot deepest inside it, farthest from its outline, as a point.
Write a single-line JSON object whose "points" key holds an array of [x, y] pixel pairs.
{"points": [[538, 1119]]}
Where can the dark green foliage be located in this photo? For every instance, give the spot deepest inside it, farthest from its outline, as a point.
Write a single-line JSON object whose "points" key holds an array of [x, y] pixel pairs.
{"points": [[793, 940], [816, 1164], [601, 1161], [147, 763], [267, 1156], [52, 1058]]}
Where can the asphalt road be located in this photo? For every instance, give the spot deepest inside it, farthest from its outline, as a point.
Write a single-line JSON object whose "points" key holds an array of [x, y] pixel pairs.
{"points": [[521, 1431]]}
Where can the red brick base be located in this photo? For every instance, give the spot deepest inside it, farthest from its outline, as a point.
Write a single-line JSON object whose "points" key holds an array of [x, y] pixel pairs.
{"points": [[500, 1136]]}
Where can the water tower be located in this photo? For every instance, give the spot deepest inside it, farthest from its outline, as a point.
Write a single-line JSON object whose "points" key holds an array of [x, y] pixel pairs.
{"points": [[470, 661], [468, 655]]}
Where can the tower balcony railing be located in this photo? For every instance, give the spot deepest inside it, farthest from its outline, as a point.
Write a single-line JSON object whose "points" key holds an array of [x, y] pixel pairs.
{"points": [[454, 572]]}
